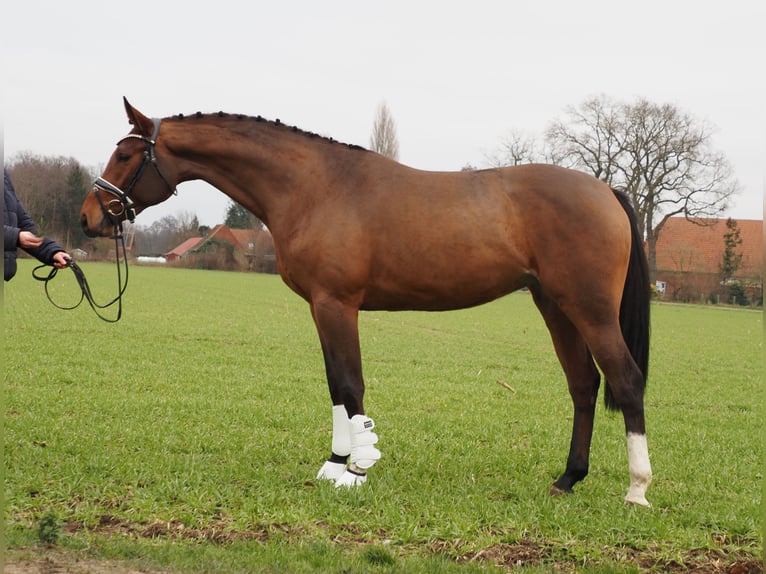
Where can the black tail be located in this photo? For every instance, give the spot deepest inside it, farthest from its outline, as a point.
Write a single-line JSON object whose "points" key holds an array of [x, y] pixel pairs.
{"points": [[636, 297]]}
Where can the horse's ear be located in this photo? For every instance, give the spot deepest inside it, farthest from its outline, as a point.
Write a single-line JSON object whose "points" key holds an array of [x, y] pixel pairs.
{"points": [[144, 125]]}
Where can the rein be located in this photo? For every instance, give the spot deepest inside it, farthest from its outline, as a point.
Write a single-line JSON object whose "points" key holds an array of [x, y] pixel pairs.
{"points": [[85, 291]]}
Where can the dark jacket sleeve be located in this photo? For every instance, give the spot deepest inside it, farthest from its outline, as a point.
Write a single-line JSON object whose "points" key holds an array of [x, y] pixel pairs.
{"points": [[10, 237], [46, 251]]}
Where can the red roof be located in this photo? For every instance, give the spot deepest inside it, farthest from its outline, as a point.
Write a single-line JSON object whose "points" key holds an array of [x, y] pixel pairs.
{"points": [[697, 245], [187, 245], [245, 237]]}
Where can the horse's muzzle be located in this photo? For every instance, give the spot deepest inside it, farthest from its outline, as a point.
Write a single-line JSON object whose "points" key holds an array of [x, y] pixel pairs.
{"points": [[101, 230]]}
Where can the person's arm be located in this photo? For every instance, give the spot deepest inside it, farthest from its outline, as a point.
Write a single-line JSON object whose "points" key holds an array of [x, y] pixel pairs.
{"points": [[43, 248], [10, 237], [47, 252]]}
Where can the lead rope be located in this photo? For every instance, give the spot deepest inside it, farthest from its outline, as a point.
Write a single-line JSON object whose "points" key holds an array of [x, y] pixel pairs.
{"points": [[85, 291]]}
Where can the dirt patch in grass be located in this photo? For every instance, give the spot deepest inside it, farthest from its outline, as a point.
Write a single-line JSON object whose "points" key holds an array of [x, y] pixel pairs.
{"points": [[509, 556], [528, 553], [54, 561], [217, 531]]}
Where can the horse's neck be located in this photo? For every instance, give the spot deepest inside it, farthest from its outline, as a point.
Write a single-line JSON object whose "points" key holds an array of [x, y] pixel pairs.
{"points": [[262, 169]]}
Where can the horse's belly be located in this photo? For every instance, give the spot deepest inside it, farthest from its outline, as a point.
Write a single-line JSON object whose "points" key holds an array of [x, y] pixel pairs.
{"points": [[431, 289]]}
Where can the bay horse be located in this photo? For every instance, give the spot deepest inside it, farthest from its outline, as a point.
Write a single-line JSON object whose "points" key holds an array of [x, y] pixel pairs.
{"points": [[354, 230]]}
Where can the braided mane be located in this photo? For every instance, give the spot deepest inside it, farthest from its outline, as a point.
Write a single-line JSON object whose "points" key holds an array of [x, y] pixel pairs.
{"points": [[275, 123]]}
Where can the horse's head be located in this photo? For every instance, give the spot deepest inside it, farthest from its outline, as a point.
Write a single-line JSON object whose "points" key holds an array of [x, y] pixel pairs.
{"points": [[134, 179]]}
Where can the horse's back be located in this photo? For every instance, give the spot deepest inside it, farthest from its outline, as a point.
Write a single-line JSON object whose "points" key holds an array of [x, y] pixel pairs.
{"points": [[451, 240]]}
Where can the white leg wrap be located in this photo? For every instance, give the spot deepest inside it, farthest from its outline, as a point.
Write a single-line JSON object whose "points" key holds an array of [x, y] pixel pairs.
{"points": [[341, 432], [640, 470], [363, 452], [341, 445]]}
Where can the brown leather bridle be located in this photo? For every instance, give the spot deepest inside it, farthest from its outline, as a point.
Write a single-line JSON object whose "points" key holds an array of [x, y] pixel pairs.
{"points": [[122, 204]]}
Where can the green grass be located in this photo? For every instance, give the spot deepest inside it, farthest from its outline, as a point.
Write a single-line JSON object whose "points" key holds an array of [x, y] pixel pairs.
{"points": [[187, 436]]}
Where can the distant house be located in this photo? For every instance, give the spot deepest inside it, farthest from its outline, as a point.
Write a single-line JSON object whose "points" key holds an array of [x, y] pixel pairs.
{"points": [[245, 238], [182, 250], [257, 246], [251, 249], [690, 252]]}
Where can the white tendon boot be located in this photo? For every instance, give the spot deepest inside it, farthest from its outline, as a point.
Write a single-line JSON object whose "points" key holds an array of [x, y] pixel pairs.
{"points": [[640, 470], [363, 452], [341, 445]]}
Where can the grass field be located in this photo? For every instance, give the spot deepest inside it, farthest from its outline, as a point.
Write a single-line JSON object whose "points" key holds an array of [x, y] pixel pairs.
{"points": [[187, 436]]}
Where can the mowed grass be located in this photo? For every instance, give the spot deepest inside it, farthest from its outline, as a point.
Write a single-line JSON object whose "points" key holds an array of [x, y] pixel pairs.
{"points": [[187, 436]]}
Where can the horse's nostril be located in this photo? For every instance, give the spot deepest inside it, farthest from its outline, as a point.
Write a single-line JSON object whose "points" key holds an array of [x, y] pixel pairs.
{"points": [[85, 227]]}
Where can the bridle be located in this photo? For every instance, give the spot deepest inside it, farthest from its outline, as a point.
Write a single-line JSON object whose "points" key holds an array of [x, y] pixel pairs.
{"points": [[113, 210], [122, 203]]}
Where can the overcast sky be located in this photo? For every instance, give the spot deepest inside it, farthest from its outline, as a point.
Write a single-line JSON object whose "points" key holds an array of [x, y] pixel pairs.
{"points": [[456, 76]]}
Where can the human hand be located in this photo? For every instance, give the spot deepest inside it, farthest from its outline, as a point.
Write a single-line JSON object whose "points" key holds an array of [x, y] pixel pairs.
{"points": [[61, 259], [28, 240]]}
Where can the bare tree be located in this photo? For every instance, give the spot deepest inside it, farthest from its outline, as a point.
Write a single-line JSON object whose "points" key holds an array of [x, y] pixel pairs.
{"points": [[188, 225], [383, 139], [515, 149], [587, 139], [662, 157]]}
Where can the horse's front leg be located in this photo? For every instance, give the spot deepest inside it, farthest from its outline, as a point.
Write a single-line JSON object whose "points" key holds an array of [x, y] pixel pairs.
{"points": [[353, 441]]}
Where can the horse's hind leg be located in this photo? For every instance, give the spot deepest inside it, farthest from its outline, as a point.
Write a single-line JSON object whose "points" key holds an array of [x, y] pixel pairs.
{"points": [[583, 380], [627, 388]]}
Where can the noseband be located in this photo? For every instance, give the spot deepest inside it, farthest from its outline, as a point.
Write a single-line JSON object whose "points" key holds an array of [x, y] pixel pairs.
{"points": [[123, 204]]}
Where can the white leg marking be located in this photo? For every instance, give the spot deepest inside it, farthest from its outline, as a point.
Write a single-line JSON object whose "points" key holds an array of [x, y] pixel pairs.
{"points": [[640, 470]]}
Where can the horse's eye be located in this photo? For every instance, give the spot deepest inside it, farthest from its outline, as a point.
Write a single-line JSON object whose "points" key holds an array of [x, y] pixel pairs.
{"points": [[123, 157]]}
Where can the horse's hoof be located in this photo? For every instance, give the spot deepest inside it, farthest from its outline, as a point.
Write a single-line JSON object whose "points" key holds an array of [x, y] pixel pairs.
{"points": [[637, 493], [556, 491], [331, 471], [351, 479], [637, 500]]}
